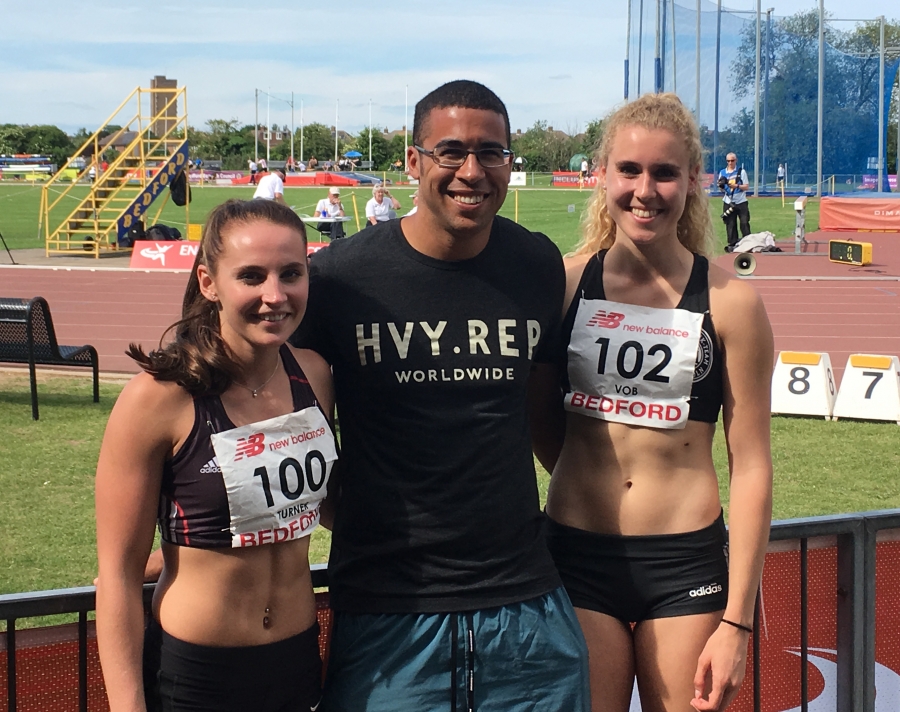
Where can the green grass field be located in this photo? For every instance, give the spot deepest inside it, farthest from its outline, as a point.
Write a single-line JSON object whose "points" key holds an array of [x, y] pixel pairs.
{"points": [[542, 209], [47, 470]]}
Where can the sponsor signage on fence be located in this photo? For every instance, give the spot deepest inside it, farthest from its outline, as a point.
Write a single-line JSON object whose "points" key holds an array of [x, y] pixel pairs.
{"points": [[567, 179], [176, 254]]}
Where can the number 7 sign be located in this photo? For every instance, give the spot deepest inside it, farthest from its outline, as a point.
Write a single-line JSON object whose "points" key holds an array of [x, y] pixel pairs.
{"points": [[870, 389]]}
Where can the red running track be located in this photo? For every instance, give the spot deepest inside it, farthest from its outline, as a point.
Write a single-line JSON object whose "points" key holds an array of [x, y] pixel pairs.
{"points": [[840, 316]]}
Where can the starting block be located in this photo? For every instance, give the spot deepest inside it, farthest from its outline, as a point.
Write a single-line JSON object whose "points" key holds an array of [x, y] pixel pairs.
{"points": [[803, 384], [870, 389]]}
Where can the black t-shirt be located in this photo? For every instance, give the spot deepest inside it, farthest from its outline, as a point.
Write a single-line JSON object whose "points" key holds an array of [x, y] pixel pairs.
{"points": [[439, 508]]}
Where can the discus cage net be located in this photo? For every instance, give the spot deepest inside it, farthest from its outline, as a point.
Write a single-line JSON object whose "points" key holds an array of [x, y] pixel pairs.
{"points": [[708, 56]]}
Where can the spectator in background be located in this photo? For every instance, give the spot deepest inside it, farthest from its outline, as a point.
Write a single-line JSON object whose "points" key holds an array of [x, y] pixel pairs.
{"points": [[415, 201], [779, 175], [378, 209], [313, 163], [734, 184], [104, 165], [271, 186], [263, 166], [331, 207], [92, 172], [251, 164]]}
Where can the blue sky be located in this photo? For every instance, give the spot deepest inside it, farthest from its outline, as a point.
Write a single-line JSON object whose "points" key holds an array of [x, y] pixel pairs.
{"points": [[71, 64]]}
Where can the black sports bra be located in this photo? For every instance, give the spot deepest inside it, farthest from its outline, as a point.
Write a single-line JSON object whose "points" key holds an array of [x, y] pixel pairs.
{"points": [[706, 392], [193, 506]]}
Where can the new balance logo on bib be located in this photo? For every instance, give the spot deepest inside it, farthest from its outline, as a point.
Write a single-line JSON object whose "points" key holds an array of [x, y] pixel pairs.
{"points": [[632, 364], [276, 475]]}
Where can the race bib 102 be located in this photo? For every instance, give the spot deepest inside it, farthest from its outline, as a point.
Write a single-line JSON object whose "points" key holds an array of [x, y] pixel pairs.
{"points": [[632, 364], [276, 474]]}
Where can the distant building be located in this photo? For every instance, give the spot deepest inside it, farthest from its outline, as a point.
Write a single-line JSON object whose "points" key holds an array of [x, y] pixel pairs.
{"points": [[158, 100]]}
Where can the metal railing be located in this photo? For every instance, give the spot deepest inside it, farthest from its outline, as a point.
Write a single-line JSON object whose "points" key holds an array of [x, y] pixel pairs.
{"points": [[855, 535]]}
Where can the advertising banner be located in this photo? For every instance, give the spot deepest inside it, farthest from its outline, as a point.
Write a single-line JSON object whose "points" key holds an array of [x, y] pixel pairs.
{"points": [[172, 255]]}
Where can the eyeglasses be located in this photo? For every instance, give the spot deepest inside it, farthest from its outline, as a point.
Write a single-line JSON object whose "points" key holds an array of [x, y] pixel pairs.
{"points": [[731, 160], [454, 157]]}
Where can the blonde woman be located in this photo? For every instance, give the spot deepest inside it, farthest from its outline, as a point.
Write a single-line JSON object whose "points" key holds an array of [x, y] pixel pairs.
{"points": [[658, 341]]}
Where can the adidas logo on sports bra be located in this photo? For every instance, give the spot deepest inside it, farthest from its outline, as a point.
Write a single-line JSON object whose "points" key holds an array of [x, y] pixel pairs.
{"points": [[211, 466]]}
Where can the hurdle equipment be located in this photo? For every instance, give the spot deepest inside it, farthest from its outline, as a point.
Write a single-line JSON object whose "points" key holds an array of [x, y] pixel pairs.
{"points": [[803, 384], [870, 389]]}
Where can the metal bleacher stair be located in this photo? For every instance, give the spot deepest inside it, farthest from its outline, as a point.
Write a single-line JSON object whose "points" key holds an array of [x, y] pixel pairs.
{"points": [[145, 142]]}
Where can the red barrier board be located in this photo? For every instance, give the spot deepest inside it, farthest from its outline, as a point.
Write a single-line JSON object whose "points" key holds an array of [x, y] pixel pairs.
{"points": [[854, 214], [176, 254]]}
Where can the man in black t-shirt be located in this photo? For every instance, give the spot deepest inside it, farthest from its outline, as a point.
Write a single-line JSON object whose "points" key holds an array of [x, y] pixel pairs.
{"points": [[440, 577]]}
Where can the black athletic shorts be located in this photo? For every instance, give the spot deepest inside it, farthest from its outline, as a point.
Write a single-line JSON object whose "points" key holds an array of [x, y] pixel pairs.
{"points": [[284, 676], [636, 578]]}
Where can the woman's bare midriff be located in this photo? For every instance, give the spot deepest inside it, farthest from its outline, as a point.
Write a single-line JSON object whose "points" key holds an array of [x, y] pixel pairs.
{"points": [[626, 480], [235, 597]]}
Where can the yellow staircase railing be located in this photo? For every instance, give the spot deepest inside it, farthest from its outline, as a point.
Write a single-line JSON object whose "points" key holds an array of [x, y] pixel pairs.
{"points": [[152, 148]]}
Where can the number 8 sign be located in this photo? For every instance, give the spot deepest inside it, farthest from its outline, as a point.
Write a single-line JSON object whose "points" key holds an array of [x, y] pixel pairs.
{"points": [[803, 384], [870, 389]]}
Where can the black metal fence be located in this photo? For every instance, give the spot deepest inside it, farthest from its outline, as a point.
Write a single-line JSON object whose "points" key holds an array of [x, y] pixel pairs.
{"points": [[855, 537]]}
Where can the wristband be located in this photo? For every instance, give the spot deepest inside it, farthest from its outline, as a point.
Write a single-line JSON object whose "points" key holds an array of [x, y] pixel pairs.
{"points": [[740, 626]]}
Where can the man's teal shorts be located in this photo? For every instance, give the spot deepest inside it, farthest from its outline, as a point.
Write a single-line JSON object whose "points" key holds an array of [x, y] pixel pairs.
{"points": [[524, 657]]}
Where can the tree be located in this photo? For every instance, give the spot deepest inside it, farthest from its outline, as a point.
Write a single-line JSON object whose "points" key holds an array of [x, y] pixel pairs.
{"points": [[318, 141], [12, 139], [544, 149], [850, 101], [593, 134], [380, 148]]}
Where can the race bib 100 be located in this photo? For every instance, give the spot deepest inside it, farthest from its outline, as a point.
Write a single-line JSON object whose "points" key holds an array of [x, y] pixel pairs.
{"points": [[276, 475], [632, 364]]}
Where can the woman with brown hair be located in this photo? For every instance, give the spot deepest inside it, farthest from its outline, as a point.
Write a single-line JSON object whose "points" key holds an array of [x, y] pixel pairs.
{"points": [[224, 441], [658, 341]]}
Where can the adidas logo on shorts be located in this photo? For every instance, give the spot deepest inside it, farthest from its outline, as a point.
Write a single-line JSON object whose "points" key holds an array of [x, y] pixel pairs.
{"points": [[706, 590], [211, 466]]}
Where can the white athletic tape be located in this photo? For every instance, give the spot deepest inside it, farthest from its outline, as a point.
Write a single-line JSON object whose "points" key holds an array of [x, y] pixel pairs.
{"points": [[803, 384], [870, 389]]}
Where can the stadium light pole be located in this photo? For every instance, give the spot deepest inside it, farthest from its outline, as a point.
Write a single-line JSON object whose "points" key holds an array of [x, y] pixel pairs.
{"points": [[881, 154], [756, 114], [657, 62], [716, 98], [674, 54], [268, 125], [370, 134], [256, 130], [406, 132], [640, 43], [697, 69], [628, 46], [337, 103], [765, 121], [301, 131], [820, 111], [292, 131]]}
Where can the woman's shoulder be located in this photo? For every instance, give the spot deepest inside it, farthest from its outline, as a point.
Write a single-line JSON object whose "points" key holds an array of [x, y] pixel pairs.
{"points": [[153, 410], [318, 373], [735, 304]]}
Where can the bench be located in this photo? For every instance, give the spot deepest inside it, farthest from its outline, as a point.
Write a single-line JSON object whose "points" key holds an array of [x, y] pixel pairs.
{"points": [[27, 336]]}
